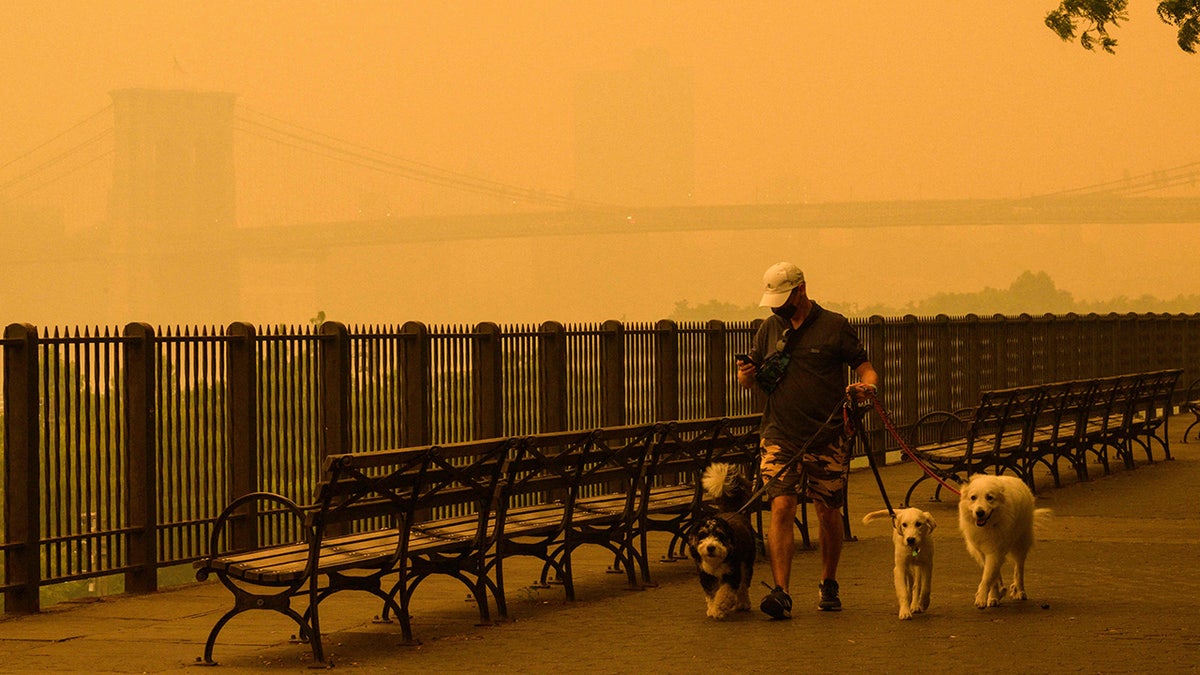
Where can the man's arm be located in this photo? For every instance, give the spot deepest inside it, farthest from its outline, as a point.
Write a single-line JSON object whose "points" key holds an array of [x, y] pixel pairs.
{"points": [[868, 380], [866, 374]]}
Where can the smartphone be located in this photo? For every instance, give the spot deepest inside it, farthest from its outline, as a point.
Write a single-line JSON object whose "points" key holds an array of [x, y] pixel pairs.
{"points": [[745, 358]]}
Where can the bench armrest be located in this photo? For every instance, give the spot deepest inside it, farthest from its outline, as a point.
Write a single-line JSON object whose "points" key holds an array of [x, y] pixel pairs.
{"points": [[222, 522], [949, 425]]}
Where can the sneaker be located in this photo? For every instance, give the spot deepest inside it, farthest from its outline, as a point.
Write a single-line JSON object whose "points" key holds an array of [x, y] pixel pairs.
{"points": [[777, 604], [829, 596]]}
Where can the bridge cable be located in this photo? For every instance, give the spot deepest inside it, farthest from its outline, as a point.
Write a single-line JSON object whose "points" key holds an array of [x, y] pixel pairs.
{"points": [[414, 169], [73, 127]]}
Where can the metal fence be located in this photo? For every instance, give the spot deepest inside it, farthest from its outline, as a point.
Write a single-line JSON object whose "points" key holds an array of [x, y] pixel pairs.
{"points": [[122, 446]]}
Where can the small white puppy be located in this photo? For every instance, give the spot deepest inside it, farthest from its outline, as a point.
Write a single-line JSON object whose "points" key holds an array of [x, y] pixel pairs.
{"points": [[912, 538], [996, 517]]}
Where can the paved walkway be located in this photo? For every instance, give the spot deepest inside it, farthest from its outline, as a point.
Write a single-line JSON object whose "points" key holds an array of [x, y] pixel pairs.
{"points": [[1113, 583]]}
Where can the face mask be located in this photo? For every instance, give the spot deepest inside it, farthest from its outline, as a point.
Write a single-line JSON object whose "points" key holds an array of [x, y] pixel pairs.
{"points": [[787, 310]]}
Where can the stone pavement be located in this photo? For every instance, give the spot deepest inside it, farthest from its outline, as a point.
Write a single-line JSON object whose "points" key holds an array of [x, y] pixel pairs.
{"points": [[1113, 585]]}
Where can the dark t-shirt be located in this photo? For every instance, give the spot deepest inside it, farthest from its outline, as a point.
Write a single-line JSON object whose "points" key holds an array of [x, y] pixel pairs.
{"points": [[815, 381]]}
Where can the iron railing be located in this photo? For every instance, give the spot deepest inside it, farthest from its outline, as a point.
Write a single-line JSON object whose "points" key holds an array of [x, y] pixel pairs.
{"points": [[120, 447]]}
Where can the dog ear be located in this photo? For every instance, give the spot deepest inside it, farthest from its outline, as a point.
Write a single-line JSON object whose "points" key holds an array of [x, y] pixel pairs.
{"points": [[929, 519]]}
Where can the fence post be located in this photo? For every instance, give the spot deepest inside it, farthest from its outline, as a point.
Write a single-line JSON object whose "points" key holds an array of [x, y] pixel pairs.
{"points": [[334, 347], [417, 428], [666, 363], [552, 376], [612, 374], [141, 419], [241, 362], [487, 388], [716, 372], [22, 471]]}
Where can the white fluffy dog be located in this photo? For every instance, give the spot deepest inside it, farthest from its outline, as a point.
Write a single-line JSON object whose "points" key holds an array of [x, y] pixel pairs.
{"points": [[912, 538], [996, 517]]}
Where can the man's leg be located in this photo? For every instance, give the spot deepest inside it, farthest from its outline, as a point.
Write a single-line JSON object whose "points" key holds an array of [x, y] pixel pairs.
{"points": [[781, 546], [781, 538], [827, 482], [830, 538], [781, 535]]}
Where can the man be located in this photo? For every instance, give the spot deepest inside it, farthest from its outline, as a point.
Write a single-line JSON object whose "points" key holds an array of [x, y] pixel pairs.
{"points": [[799, 357]]}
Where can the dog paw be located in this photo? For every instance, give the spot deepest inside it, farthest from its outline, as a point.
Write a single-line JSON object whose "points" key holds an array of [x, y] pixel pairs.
{"points": [[918, 609], [981, 601], [1017, 593], [905, 615]]}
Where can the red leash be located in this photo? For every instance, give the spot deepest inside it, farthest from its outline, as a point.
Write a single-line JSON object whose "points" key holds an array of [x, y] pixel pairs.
{"points": [[891, 427]]}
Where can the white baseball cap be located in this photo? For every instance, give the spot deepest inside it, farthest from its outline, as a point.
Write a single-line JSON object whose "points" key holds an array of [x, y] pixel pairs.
{"points": [[778, 282]]}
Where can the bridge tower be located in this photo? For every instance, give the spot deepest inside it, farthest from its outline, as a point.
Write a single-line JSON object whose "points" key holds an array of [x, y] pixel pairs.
{"points": [[171, 209]]}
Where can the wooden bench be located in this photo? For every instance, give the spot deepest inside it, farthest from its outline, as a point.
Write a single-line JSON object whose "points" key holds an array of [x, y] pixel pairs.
{"points": [[319, 562], [567, 489], [1053, 430], [1100, 430], [1022, 427], [991, 436], [1149, 413], [382, 522], [411, 512], [1191, 403]]}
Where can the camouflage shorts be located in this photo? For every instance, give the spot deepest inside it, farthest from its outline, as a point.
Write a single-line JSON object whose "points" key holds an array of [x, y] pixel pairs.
{"points": [[824, 466]]}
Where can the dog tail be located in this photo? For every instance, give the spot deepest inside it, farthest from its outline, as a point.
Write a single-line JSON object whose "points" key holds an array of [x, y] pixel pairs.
{"points": [[876, 515], [726, 485]]}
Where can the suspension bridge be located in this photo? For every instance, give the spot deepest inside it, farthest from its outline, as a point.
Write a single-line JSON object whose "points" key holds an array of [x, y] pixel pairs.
{"points": [[134, 211], [89, 152]]}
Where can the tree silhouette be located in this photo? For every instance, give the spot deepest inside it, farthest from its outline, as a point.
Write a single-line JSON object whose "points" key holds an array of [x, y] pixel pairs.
{"points": [[1091, 21]]}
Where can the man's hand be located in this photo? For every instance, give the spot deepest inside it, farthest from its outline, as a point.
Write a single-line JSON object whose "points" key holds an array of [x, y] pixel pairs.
{"points": [[861, 391], [746, 371]]}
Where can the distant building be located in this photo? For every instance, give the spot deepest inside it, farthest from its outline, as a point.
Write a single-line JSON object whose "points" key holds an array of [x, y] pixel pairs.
{"points": [[635, 134], [171, 210]]}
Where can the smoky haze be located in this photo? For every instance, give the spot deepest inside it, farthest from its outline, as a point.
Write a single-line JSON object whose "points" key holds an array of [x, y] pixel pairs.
{"points": [[400, 113]]}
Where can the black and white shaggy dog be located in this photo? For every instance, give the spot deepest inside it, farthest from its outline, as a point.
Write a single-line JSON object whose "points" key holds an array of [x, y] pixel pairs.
{"points": [[723, 545]]}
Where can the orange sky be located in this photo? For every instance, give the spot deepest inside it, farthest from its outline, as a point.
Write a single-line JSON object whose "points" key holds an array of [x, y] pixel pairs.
{"points": [[824, 101], [846, 100]]}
